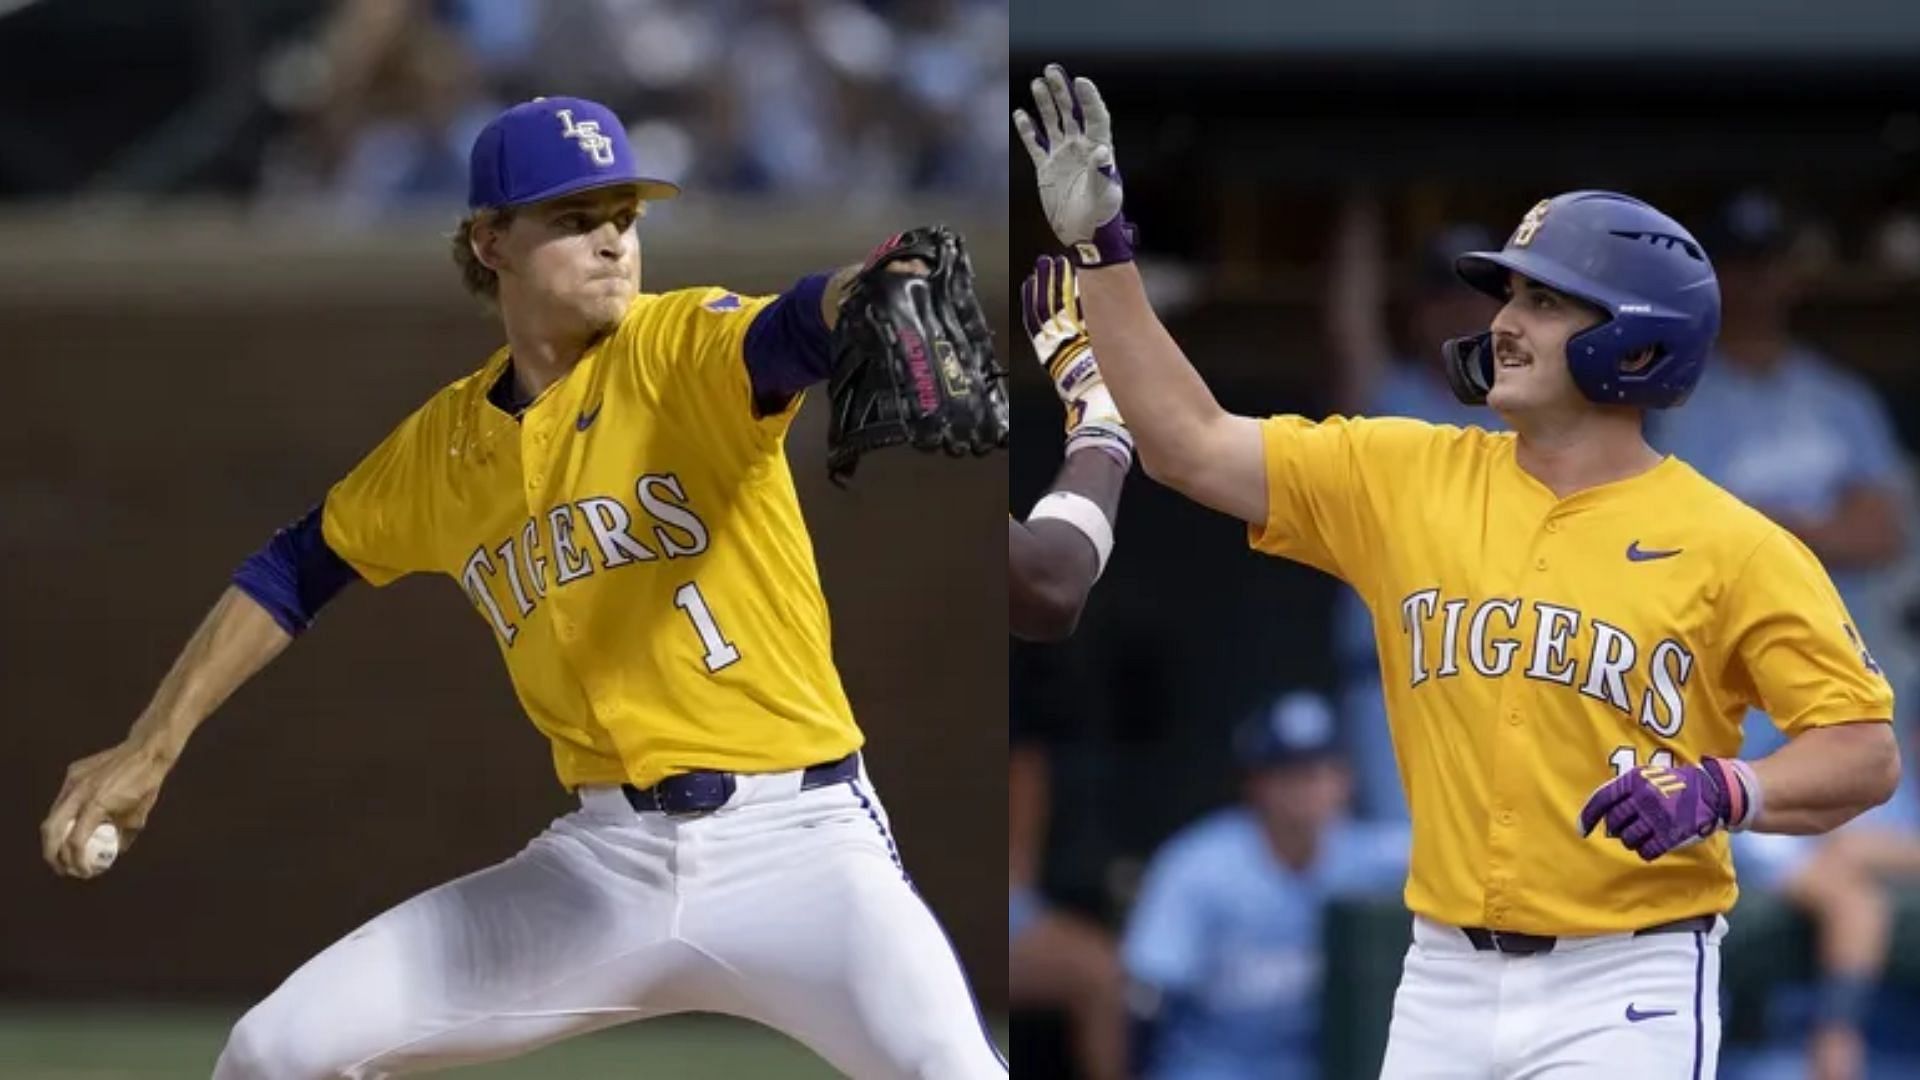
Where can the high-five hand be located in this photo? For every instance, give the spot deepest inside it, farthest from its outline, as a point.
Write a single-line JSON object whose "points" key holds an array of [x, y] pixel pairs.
{"points": [[1050, 309], [1072, 153]]}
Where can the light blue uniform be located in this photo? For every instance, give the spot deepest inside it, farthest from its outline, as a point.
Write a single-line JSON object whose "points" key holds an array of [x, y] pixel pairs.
{"points": [[1794, 439], [1420, 392], [1235, 935]]}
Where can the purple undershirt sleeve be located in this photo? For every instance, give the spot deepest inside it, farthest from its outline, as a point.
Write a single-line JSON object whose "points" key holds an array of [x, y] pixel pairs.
{"points": [[787, 345], [294, 574]]}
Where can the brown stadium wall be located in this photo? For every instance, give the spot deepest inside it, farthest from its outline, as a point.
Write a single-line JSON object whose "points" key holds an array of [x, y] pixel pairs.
{"points": [[180, 387]]}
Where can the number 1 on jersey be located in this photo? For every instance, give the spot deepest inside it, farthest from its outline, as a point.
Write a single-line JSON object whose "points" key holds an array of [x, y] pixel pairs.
{"points": [[1625, 760], [720, 651]]}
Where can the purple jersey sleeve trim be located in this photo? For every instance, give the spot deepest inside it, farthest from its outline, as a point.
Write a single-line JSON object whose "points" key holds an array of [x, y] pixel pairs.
{"points": [[294, 574], [787, 345]]}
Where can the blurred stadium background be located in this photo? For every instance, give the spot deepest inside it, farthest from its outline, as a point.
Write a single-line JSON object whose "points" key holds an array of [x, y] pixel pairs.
{"points": [[1292, 168], [224, 275]]}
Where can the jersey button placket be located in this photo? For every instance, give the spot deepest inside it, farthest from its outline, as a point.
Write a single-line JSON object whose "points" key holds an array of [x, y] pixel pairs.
{"points": [[534, 455], [1549, 527]]}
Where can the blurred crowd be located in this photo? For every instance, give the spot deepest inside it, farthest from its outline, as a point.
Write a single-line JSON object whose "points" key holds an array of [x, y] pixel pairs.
{"points": [[370, 105], [837, 99], [1213, 964]]}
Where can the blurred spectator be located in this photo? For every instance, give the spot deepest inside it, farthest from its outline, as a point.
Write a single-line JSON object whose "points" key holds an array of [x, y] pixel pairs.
{"points": [[1840, 882], [1056, 960], [823, 98], [1224, 945], [1781, 426], [1387, 366], [1809, 444], [389, 100], [1802, 440]]}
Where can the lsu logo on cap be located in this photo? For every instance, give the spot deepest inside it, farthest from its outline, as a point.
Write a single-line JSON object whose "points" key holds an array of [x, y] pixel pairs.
{"points": [[723, 302], [1530, 224], [597, 146]]}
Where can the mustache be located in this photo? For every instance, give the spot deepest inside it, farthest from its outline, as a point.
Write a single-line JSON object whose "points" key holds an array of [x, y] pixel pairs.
{"points": [[1505, 350]]}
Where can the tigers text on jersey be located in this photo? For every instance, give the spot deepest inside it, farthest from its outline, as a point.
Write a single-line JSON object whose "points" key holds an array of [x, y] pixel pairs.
{"points": [[1532, 647], [635, 544]]}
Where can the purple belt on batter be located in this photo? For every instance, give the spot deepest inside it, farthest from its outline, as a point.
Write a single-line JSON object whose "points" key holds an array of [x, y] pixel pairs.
{"points": [[1486, 940], [704, 791]]}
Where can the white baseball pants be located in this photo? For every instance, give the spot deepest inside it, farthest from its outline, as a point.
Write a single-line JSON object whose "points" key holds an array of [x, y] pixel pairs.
{"points": [[1595, 1008], [786, 907]]}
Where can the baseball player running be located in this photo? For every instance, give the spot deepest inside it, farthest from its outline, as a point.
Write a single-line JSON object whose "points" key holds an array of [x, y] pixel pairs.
{"points": [[611, 490], [1055, 556], [1570, 626]]}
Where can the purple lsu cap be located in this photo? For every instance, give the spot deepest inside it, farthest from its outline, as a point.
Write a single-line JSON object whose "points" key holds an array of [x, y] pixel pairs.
{"points": [[553, 146]]}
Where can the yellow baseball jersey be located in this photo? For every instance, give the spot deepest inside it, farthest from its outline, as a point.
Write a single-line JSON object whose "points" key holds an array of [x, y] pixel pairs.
{"points": [[634, 543], [1533, 647]]}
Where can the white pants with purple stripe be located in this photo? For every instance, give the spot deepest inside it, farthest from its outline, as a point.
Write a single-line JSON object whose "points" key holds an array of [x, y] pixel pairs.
{"points": [[785, 907], [1595, 1008]]}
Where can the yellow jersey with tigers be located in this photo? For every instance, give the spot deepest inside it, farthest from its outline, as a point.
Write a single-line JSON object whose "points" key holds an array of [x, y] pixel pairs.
{"points": [[633, 542], [1533, 647]]}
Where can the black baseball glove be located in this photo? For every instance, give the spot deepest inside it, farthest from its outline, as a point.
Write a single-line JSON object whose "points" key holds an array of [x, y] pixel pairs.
{"points": [[913, 359]]}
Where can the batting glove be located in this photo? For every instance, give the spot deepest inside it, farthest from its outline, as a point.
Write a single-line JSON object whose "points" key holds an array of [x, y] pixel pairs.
{"points": [[1050, 308], [1072, 153], [1656, 809]]}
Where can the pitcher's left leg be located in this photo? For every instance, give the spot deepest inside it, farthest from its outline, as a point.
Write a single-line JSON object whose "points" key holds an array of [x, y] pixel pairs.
{"points": [[1645, 1007], [830, 944]]}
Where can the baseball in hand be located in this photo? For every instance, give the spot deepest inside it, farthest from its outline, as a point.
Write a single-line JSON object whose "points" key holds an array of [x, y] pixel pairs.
{"points": [[102, 847]]}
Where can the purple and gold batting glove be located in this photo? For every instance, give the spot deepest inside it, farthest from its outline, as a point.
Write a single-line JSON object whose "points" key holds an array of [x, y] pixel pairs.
{"points": [[1656, 809], [1050, 309]]}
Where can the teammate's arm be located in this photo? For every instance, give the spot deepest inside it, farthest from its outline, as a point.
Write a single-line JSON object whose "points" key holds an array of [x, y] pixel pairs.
{"points": [[1051, 563], [1186, 440], [1056, 555]]}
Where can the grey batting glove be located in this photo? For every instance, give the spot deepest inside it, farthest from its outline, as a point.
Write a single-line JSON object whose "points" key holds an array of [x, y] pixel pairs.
{"points": [[1079, 183]]}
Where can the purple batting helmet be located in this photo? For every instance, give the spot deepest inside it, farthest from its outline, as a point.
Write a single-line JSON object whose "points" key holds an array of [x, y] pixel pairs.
{"points": [[1636, 264]]}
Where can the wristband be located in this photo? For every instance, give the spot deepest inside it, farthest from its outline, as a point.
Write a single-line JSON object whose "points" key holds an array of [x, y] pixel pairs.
{"points": [[1750, 784], [1084, 516]]}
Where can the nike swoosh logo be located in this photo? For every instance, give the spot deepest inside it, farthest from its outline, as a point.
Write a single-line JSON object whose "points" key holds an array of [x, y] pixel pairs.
{"points": [[587, 418], [1635, 554], [1634, 1015]]}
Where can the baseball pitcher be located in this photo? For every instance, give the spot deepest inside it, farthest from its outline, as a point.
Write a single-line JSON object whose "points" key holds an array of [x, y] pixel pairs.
{"points": [[611, 491], [1570, 626]]}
